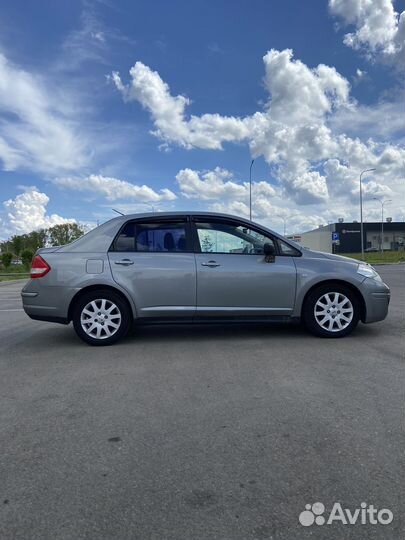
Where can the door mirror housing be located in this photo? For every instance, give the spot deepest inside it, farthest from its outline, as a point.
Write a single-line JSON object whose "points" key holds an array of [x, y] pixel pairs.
{"points": [[269, 252], [268, 249]]}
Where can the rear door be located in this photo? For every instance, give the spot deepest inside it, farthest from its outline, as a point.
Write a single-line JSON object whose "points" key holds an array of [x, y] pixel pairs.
{"points": [[153, 260], [234, 278]]}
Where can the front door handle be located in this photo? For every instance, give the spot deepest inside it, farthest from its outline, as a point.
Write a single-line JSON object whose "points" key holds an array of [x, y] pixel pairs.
{"points": [[210, 264], [124, 262]]}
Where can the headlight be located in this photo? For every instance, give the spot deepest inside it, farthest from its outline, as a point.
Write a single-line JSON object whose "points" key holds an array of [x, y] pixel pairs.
{"points": [[368, 271]]}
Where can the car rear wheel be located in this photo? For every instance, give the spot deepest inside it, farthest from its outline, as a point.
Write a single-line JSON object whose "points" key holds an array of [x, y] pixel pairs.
{"points": [[101, 317], [331, 311]]}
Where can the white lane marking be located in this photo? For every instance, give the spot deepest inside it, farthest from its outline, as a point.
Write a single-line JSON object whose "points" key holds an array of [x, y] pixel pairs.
{"points": [[19, 309]]}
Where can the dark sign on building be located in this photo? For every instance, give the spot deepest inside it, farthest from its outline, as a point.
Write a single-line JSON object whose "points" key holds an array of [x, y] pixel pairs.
{"points": [[392, 237]]}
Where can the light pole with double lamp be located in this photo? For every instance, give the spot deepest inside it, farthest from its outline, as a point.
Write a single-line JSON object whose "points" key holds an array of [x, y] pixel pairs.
{"points": [[382, 202], [361, 212]]}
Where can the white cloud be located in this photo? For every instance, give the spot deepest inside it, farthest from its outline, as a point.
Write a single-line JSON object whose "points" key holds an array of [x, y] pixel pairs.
{"points": [[282, 214], [372, 189], [382, 121], [341, 177], [301, 128], [291, 123], [36, 131], [87, 43], [114, 189], [90, 42], [378, 29], [208, 131], [26, 213], [298, 93], [219, 184], [219, 192], [277, 213], [360, 77], [209, 185]]}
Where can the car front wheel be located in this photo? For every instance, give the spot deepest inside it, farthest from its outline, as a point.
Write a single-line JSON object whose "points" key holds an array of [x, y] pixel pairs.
{"points": [[101, 317], [331, 311]]}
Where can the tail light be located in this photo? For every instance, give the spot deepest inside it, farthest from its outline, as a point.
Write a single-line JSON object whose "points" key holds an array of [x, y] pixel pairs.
{"points": [[39, 267]]}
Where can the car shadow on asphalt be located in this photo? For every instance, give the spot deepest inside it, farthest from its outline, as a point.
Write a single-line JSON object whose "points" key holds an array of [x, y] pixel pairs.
{"points": [[207, 332], [60, 337], [229, 332]]}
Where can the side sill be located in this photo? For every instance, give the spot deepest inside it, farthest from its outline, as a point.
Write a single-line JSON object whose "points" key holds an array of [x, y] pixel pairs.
{"points": [[144, 321]]}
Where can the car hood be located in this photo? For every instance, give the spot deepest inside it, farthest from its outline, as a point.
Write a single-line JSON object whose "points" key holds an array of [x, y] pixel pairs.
{"points": [[331, 256]]}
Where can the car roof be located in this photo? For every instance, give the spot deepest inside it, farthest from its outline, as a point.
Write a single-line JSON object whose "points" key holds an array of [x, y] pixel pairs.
{"points": [[182, 213]]}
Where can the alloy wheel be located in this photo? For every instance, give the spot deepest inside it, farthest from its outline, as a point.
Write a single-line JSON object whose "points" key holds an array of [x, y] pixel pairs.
{"points": [[100, 318], [333, 312]]}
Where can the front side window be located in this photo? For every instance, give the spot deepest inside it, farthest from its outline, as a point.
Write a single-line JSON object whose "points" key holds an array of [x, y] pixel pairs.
{"points": [[152, 237], [224, 237], [286, 249]]}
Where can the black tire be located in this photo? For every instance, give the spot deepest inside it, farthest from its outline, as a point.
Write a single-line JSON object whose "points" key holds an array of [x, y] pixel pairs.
{"points": [[312, 319], [112, 324]]}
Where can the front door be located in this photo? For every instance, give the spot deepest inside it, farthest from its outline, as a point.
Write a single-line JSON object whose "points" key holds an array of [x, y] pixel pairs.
{"points": [[153, 260], [234, 278]]}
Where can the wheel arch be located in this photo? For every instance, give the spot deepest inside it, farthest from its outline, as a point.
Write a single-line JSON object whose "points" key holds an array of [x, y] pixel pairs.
{"points": [[100, 287], [341, 282]]}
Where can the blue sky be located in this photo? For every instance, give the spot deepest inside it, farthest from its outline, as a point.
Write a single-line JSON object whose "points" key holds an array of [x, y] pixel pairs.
{"points": [[311, 90]]}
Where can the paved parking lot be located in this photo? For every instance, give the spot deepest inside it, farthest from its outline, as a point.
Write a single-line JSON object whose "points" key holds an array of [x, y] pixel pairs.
{"points": [[195, 433]]}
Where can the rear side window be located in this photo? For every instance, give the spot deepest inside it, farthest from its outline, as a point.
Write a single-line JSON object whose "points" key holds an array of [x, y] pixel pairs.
{"points": [[152, 237], [125, 241]]}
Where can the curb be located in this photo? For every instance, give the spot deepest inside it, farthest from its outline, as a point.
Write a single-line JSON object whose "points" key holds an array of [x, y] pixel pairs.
{"points": [[388, 264], [11, 281]]}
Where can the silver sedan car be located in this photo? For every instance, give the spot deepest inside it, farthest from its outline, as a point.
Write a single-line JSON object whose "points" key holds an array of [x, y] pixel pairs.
{"points": [[193, 267]]}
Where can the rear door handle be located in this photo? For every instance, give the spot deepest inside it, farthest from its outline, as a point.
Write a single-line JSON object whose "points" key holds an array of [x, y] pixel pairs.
{"points": [[210, 264], [124, 262]]}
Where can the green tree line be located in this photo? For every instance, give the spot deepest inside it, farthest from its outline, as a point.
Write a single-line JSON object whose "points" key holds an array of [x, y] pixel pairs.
{"points": [[23, 246]]}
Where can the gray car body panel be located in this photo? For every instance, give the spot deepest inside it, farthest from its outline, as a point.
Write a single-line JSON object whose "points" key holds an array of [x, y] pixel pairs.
{"points": [[245, 285], [158, 293], [170, 284], [55, 291]]}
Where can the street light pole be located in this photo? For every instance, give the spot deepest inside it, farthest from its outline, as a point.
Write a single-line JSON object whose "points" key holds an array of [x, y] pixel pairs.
{"points": [[382, 202], [361, 212], [250, 190], [285, 222]]}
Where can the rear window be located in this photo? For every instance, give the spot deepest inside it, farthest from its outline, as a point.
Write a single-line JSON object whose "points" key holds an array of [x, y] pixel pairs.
{"points": [[152, 237]]}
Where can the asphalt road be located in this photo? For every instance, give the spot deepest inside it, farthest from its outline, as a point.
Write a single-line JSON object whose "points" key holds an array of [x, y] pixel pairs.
{"points": [[199, 433]]}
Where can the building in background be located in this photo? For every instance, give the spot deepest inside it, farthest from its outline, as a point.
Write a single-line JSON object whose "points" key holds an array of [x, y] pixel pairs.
{"points": [[345, 237]]}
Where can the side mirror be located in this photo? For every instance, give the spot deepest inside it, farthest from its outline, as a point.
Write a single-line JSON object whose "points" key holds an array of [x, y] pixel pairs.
{"points": [[269, 252], [268, 249]]}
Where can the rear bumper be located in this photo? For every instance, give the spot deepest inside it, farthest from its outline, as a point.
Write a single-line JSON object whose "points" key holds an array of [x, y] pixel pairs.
{"points": [[48, 318], [47, 303], [42, 313], [377, 298]]}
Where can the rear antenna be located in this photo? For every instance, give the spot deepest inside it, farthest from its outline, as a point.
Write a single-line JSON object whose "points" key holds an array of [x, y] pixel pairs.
{"points": [[118, 212]]}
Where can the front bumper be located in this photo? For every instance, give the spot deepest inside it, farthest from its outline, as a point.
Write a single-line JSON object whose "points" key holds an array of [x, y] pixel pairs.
{"points": [[377, 297]]}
